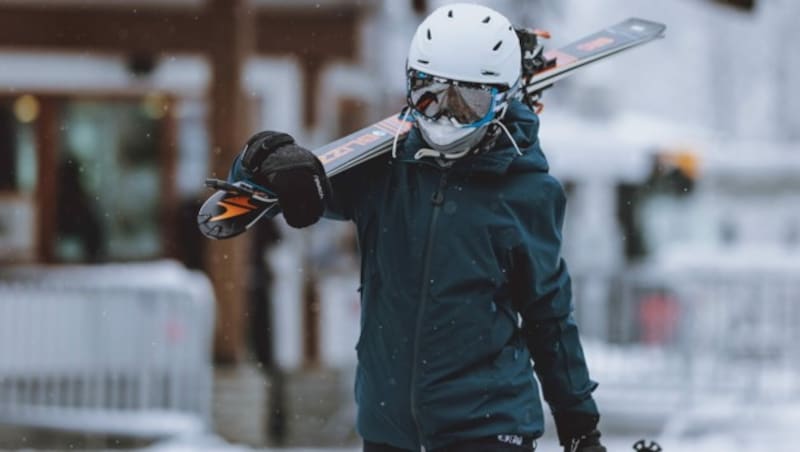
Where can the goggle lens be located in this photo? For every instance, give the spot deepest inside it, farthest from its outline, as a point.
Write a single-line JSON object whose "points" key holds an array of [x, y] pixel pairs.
{"points": [[433, 98]]}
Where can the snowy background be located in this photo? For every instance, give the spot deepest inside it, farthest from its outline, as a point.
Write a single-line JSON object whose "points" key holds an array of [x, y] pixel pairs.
{"points": [[680, 160]]}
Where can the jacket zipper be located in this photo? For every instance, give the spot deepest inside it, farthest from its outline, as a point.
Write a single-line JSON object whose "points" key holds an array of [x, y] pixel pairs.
{"points": [[437, 199]]}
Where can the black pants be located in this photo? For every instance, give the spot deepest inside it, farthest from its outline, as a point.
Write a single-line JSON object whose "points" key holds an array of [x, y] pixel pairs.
{"points": [[490, 444]]}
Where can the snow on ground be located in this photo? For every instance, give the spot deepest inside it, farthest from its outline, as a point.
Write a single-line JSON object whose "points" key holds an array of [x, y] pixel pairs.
{"points": [[741, 424], [212, 443], [722, 442], [749, 426]]}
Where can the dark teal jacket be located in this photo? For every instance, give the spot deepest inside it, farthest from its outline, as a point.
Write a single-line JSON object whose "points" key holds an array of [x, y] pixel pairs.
{"points": [[451, 259]]}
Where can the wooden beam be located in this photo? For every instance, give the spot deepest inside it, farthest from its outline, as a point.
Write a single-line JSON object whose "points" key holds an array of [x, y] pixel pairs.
{"points": [[103, 29], [322, 34], [309, 34]]}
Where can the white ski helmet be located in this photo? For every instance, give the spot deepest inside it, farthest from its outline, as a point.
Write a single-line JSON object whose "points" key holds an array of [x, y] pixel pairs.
{"points": [[469, 43]]}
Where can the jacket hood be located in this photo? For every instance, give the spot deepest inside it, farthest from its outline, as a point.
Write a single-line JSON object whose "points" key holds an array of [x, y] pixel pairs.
{"points": [[522, 123]]}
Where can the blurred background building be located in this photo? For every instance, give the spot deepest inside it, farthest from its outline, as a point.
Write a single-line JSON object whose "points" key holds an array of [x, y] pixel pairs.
{"points": [[119, 320]]}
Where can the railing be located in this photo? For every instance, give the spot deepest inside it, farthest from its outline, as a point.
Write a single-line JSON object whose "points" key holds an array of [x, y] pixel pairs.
{"points": [[115, 349]]}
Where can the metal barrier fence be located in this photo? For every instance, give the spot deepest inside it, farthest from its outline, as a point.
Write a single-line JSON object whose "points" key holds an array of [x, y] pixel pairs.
{"points": [[676, 340], [742, 330], [113, 349]]}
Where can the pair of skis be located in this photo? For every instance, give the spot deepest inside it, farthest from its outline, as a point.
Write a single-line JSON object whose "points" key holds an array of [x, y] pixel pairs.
{"points": [[237, 206]]}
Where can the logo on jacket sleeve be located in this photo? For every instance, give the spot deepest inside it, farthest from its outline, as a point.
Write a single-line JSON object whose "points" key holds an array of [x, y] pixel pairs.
{"points": [[516, 440]]}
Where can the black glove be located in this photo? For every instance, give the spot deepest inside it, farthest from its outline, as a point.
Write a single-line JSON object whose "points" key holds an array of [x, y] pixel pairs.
{"points": [[589, 442], [577, 432], [294, 173]]}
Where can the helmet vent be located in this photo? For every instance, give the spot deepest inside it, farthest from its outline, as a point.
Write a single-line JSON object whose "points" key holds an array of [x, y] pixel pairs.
{"points": [[486, 21], [450, 13], [429, 34], [497, 46], [423, 61], [489, 73]]}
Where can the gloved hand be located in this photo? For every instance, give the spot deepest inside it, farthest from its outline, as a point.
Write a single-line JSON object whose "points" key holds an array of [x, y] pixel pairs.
{"points": [[589, 442], [577, 432], [293, 173]]}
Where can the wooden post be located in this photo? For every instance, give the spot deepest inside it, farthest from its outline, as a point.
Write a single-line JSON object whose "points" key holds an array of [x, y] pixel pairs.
{"points": [[47, 146], [311, 316], [231, 40], [312, 67]]}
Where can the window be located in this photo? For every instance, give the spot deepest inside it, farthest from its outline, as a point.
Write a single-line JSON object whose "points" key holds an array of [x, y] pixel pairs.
{"points": [[109, 182]]}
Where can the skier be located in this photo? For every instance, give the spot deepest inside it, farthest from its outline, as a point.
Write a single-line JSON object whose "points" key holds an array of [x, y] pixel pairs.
{"points": [[459, 230]]}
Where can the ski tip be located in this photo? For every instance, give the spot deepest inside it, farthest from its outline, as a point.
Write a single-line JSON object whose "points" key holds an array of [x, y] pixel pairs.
{"points": [[216, 231], [644, 27], [226, 214]]}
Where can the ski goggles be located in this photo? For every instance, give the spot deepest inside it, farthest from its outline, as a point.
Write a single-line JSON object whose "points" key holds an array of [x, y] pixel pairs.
{"points": [[469, 104]]}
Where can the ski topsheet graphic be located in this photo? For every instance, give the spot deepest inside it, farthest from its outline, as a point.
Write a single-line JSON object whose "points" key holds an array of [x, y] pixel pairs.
{"points": [[362, 145], [235, 207]]}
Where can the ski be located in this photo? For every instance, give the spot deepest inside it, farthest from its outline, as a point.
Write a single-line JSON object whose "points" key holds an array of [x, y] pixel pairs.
{"points": [[235, 207], [625, 35]]}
